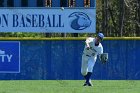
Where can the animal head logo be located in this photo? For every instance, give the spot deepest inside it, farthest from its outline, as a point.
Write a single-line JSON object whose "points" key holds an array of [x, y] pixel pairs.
{"points": [[79, 21]]}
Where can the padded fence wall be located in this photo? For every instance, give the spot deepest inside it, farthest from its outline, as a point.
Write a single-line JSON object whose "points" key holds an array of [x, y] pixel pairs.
{"points": [[61, 59]]}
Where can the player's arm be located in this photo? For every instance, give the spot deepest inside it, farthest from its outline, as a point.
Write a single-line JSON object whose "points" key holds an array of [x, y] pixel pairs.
{"points": [[100, 53], [88, 40]]}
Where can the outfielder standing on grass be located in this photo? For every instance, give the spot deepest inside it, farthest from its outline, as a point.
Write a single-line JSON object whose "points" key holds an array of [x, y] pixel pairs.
{"points": [[93, 47]]}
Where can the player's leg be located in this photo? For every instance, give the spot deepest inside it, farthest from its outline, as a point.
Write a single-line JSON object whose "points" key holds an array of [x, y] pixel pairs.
{"points": [[91, 64], [84, 65]]}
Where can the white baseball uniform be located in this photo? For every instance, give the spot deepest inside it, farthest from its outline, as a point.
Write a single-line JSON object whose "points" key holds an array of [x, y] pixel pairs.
{"points": [[89, 56]]}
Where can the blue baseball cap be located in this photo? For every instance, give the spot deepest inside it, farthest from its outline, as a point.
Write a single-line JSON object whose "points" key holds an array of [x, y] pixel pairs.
{"points": [[101, 35]]}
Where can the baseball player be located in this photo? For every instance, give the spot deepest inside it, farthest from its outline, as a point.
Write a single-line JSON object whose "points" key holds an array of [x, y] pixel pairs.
{"points": [[93, 47]]}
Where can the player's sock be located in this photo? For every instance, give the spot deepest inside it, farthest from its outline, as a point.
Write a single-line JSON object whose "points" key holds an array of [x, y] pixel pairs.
{"points": [[85, 77], [88, 77]]}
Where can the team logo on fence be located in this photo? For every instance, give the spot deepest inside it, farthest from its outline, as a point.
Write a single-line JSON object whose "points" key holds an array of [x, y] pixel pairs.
{"points": [[5, 57], [9, 57], [79, 21]]}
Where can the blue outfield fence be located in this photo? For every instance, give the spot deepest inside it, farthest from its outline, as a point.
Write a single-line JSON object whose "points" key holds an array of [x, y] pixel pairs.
{"points": [[61, 59]]}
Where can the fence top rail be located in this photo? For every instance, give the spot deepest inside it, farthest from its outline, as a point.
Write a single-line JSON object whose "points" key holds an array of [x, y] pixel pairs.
{"points": [[66, 38]]}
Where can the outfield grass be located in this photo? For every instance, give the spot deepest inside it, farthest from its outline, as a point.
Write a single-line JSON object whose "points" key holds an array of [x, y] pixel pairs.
{"points": [[69, 86]]}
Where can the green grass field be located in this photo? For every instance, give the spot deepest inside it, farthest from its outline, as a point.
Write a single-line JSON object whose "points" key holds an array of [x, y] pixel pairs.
{"points": [[69, 86]]}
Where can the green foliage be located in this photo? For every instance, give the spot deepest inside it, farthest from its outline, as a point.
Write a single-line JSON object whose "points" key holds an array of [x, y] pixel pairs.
{"points": [[21, 34], [118, 17]]}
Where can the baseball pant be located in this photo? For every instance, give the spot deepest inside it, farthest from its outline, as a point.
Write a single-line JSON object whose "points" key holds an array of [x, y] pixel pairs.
{"points": [[87, 64]]}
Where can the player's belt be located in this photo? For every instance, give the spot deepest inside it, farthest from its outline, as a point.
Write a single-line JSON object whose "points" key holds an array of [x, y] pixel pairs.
{"points": [[88, 55]]}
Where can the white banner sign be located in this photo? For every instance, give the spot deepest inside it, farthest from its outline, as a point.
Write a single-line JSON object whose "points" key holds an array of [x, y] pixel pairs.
{"points": [[49, 20]]}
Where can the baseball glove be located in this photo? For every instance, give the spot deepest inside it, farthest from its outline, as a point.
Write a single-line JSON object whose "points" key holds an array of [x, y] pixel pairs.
{"points": [[104, 58]]}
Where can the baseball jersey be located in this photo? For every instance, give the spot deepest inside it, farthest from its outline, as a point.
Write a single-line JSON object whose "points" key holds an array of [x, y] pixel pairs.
{"points": [[94, 50]]}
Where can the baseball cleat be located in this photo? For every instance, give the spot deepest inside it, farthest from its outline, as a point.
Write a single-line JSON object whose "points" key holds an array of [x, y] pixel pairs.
{"points": [[90, 84], [85, 84]]}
